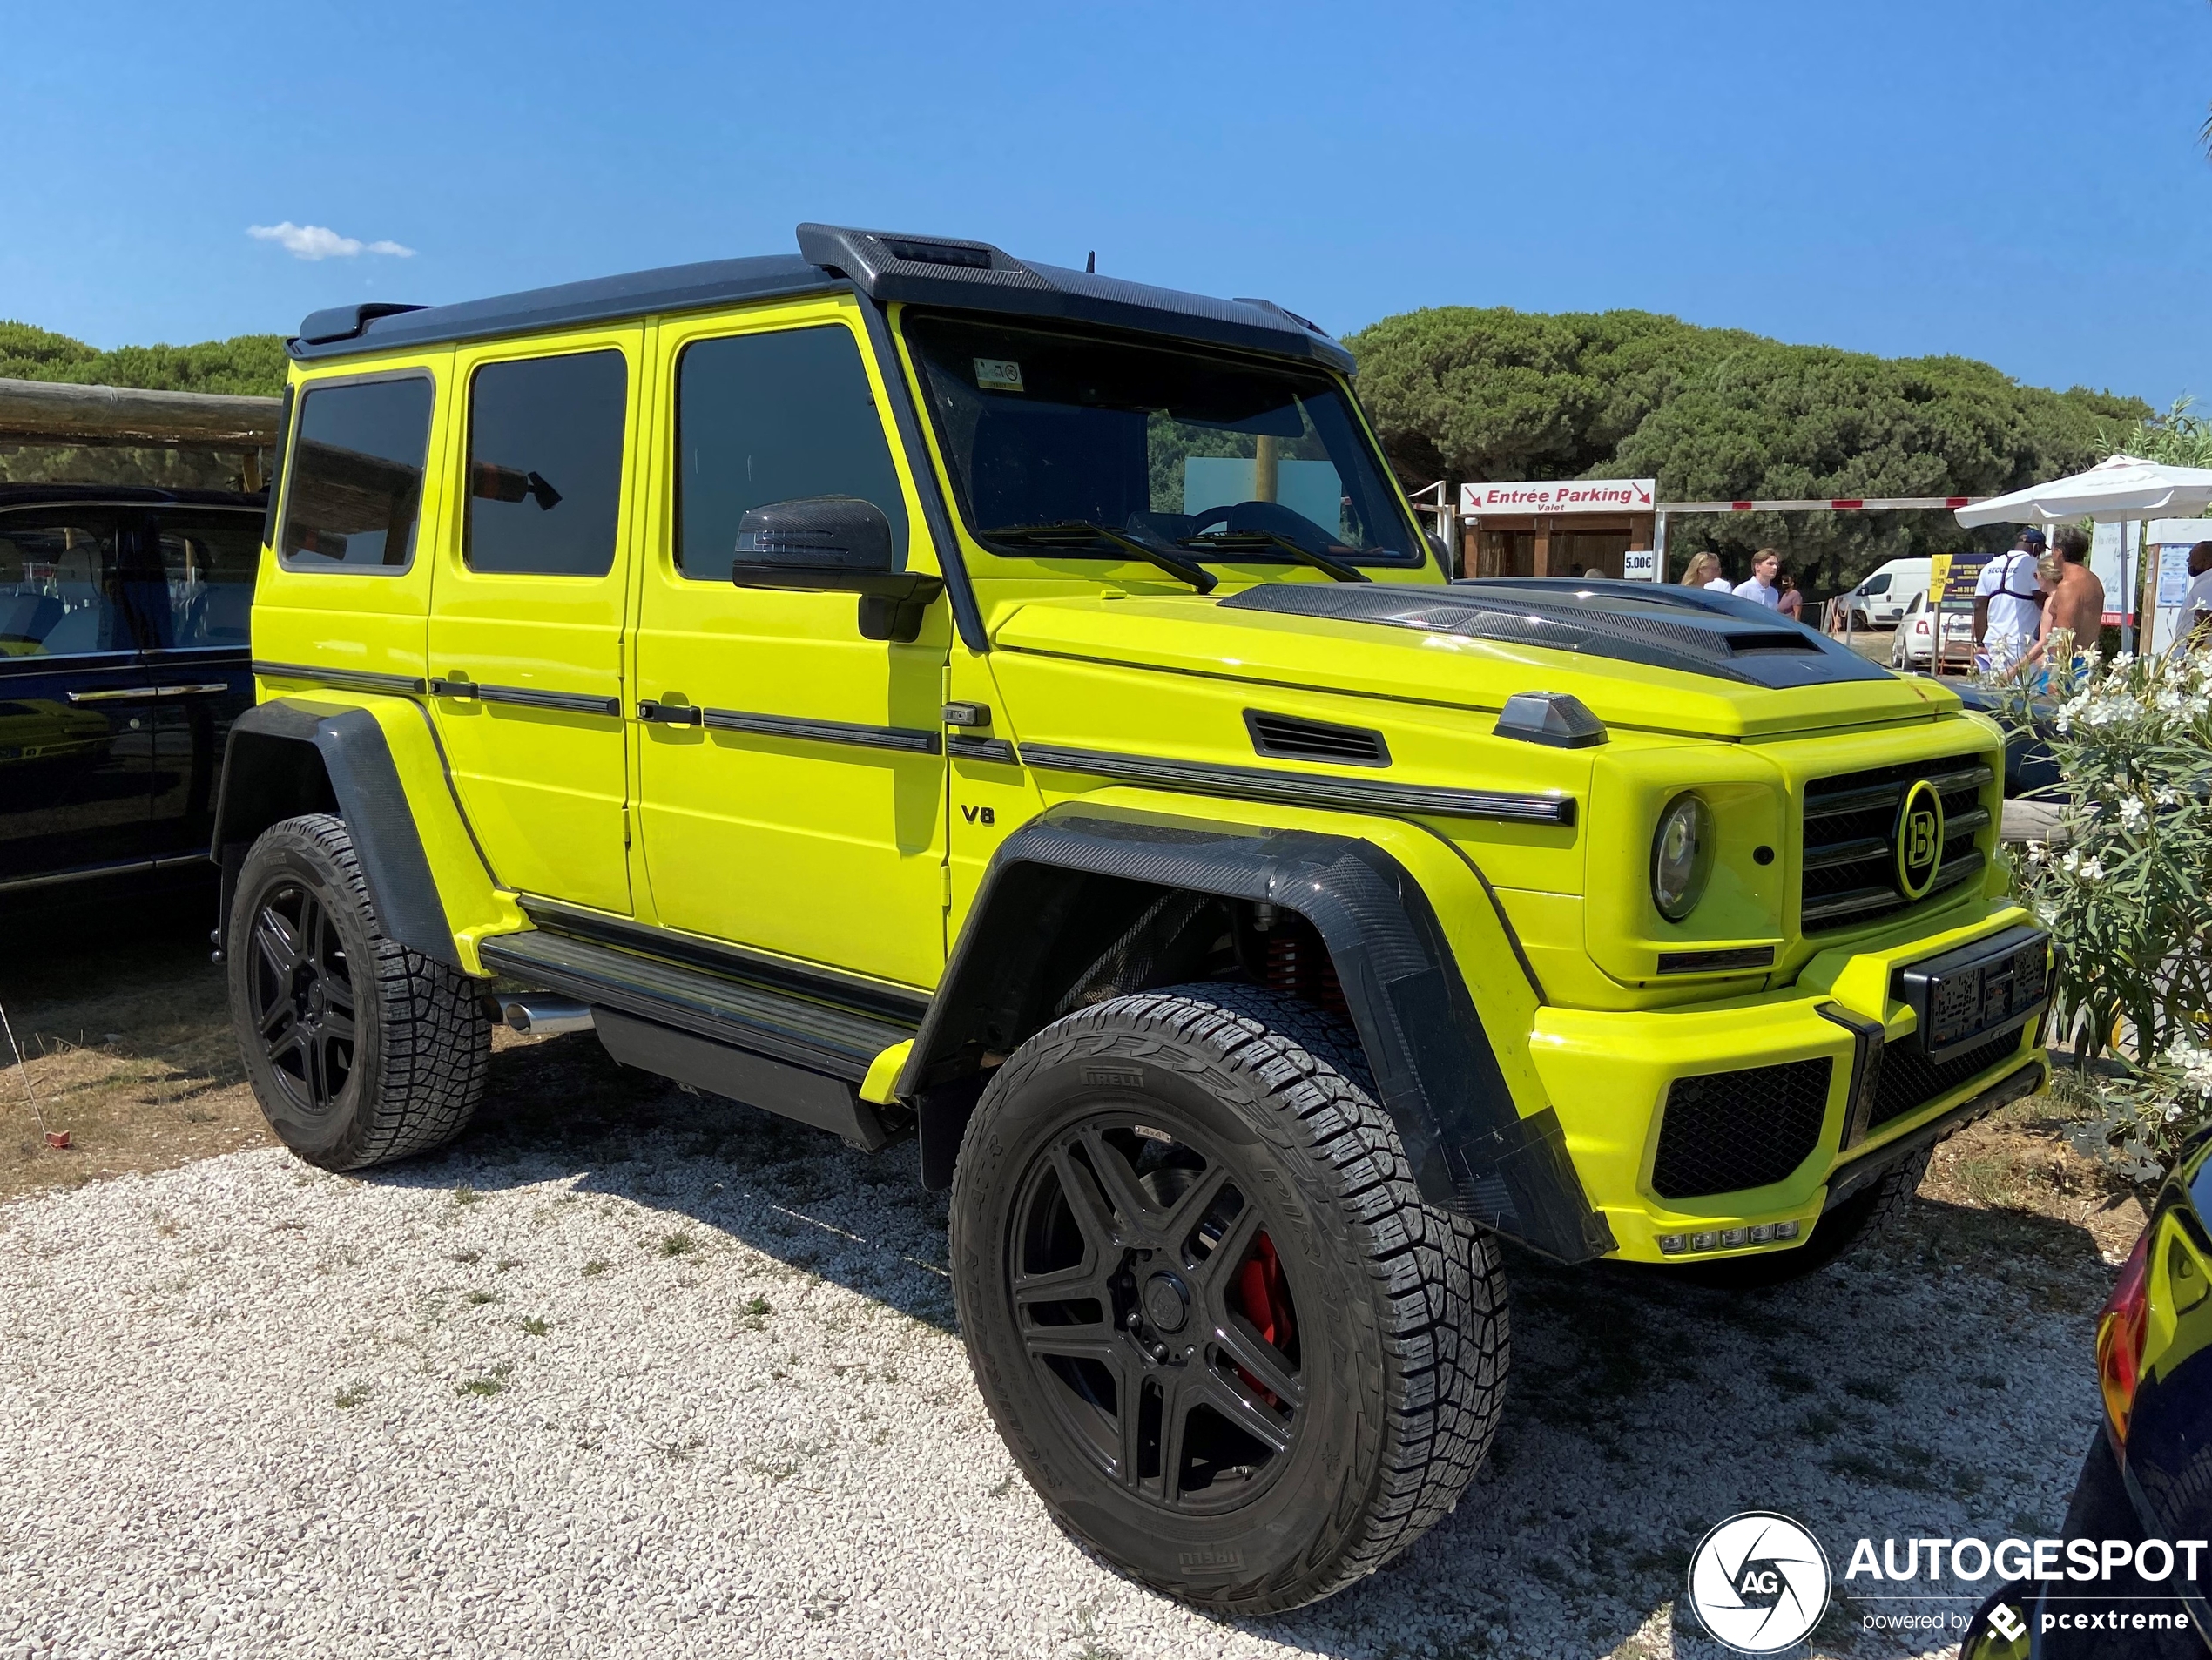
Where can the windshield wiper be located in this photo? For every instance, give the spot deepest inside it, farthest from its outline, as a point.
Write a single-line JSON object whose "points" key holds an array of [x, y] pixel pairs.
{"points": [[1303, 555], [1083, 531]]}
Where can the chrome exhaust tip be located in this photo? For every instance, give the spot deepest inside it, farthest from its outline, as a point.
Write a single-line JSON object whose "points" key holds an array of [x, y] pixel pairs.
{"points": [[543, 1016]]}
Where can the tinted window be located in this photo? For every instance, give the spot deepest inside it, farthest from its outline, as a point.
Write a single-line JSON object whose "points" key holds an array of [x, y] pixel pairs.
{"points": [[764, 418], [545, 464], [356, 483], [208, 561], [58, 584]]}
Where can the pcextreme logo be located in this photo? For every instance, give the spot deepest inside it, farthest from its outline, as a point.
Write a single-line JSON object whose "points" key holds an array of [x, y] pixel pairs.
{"points": [[1758, 1583]]}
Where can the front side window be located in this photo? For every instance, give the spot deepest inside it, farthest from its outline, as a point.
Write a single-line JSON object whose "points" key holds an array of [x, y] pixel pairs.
{"points": [[1050, 435], [545, 464], [356, 490], [780, 417]]}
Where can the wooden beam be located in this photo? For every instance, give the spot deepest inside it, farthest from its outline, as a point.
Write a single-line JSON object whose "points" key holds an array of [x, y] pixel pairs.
{"points": [[48, 412]]}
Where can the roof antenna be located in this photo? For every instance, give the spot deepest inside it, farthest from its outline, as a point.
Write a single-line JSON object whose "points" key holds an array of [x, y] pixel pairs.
{"points": [[1090, 263]]}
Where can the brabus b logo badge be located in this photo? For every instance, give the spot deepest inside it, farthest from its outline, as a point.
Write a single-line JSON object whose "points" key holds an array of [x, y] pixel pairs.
{"points": [[1920, 839]]}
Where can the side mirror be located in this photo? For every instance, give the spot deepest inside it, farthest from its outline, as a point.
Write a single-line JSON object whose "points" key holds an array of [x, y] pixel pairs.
{"points": [[834, 544]]}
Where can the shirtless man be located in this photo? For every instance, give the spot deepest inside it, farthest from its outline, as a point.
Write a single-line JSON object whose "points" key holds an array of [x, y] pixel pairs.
{"points": [[2077, 605]]}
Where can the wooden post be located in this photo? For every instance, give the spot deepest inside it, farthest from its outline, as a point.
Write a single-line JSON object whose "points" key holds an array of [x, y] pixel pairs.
{"points": [[1543, 559], [1267, 469], [48, 412]]}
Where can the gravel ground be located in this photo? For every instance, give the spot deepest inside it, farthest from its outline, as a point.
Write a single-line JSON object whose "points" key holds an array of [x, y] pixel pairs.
{"points": [[684, 1381]]}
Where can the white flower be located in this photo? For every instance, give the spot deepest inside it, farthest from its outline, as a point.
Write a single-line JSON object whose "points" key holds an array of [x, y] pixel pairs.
{"points": [[2195, 1063], [2131, 813], [2094, 871], [2167, 798]]}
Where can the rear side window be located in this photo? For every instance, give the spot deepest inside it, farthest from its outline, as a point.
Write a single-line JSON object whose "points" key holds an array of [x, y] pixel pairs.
{"points": [[545, 464], [207, 565], [356, 486], [762, 418]]}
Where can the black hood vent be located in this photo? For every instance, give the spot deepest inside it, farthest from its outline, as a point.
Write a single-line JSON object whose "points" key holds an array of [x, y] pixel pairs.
{"points": [[1684, 628], [1290, 738]]}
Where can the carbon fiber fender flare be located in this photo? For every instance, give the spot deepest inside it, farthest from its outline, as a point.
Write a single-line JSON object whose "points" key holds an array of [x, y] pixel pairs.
{"points": [[1471, 1150], [294, 755]]}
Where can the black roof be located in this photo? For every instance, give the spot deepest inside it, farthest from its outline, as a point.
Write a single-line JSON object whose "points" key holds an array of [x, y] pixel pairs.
{"points": [[15, 495], [883, 265]]}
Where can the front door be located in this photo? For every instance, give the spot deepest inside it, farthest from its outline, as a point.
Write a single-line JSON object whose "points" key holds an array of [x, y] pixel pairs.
{"points": [[792, 780], [526, 613]]}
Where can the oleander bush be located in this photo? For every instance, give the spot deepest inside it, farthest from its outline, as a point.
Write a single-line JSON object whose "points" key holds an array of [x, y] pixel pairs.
{"points": [[2124, 883]]}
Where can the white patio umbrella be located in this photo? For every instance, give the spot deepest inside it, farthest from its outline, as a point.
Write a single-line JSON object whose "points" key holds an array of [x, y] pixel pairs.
{"points": [[2122, 487], [2113, 491]]}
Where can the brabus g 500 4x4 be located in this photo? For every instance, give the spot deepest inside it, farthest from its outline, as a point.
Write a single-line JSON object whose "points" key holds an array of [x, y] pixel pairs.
{"points": [[917, 690]]}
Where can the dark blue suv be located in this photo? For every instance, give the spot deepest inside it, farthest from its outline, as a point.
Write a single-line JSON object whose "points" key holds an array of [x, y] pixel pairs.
{"points": [[125, 656]]}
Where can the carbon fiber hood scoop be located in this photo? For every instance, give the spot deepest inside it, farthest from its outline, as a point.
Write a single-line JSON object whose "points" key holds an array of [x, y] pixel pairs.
{"points": [[1686, 629]]}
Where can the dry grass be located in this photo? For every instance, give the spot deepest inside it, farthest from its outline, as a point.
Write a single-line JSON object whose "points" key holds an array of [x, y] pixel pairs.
{"points": [[2017, 1167], [126, 1043]]}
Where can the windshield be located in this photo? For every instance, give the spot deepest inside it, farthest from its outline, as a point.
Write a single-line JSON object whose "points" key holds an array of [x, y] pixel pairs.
{"points": [[1054, 437]]}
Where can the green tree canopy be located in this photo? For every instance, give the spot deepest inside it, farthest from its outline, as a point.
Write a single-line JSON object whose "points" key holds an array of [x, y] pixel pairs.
{"points": [[1467, 393], [246, 364]]}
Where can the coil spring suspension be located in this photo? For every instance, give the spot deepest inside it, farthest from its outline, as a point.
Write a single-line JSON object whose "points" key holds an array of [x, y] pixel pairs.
{"points": [[1298, 964]]}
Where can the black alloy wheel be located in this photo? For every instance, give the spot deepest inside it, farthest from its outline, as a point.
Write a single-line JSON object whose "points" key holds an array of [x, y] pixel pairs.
{"points": [[1223, 1335], [1155, 1310], [301, 997], [360, 1049]]}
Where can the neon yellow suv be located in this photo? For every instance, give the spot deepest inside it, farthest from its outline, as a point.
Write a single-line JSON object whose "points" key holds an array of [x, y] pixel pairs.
{"points": [[938, 695]]}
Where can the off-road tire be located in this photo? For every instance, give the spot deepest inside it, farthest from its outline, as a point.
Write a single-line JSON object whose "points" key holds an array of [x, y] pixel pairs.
{"points": [[421, 1046], [1402, 1332], [1873, 1214]]}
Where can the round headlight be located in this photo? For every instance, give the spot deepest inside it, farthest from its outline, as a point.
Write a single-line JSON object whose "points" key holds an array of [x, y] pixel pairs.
{"points": [[1681, 856]]}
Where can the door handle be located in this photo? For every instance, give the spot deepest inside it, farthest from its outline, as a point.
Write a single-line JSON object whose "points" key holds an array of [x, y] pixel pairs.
{"points": [[197, 689], [120, 694], [670, 714], [448, 688]]}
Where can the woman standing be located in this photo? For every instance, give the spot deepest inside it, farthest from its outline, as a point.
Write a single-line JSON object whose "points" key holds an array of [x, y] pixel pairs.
{"points": [[1791, 604], [1705, 572]]}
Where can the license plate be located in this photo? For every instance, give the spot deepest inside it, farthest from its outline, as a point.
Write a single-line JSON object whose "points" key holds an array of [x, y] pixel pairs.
{"points": [[1977, 991]]}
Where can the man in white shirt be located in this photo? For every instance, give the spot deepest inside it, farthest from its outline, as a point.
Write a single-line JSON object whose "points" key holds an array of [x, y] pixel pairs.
{"points": [[2196, 604], [1766, 564], [2008, 606]]}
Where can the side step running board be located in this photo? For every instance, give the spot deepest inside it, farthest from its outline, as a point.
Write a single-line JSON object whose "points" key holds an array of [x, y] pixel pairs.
{"points": [[827, 1103], [789, 1055]]}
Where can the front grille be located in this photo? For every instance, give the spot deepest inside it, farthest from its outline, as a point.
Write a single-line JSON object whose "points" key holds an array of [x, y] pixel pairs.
{"points": [[1725, 1131], [1909, 1080], [1851, 846]]}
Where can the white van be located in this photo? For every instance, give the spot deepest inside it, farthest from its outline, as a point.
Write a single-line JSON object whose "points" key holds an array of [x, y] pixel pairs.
{"points": [[1884, 597]]}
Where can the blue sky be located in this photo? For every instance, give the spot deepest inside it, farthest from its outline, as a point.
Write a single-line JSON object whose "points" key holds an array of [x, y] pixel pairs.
{"points": [[2018, 182]]}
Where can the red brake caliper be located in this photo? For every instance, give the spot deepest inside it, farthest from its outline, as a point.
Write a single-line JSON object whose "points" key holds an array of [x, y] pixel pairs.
{"points": [[1265, 1296]]}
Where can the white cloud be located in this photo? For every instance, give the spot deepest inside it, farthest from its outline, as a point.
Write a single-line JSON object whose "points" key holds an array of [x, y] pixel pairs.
{"points": [[321, 242]]}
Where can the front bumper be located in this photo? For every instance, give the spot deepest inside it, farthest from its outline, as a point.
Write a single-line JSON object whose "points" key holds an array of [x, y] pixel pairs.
{"points": [[1780, 1112]]}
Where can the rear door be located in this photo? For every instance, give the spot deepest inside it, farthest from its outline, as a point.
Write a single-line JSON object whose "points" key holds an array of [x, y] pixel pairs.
{"points": [[528, 608], [77, 700], [201, 666]]}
